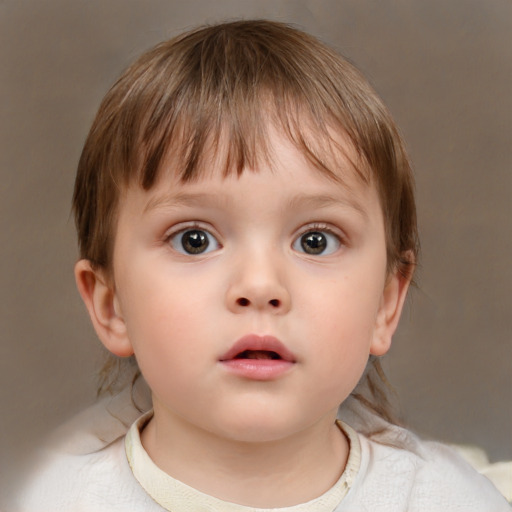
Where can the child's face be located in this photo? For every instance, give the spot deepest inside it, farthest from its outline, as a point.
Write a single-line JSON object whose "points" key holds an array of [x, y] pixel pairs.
{"points": [[217, 278]]}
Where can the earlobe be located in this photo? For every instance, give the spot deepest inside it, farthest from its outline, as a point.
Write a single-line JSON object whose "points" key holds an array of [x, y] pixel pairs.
{"points": [[392, 302], [103, 307]]}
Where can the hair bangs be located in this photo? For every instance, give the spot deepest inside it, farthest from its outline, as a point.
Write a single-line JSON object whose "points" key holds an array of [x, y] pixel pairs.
{"points": [[231, 124]]}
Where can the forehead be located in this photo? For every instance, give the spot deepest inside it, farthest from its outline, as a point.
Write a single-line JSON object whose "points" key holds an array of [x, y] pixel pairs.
{"points": [[300, 180], [276, 145]]}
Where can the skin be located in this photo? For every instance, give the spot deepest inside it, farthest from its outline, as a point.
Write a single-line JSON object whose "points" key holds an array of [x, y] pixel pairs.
{"points": [[261, 443]]}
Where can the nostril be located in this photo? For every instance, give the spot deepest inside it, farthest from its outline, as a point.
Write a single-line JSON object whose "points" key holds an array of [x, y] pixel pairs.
{"points": [[274, 302], [242, 301]]}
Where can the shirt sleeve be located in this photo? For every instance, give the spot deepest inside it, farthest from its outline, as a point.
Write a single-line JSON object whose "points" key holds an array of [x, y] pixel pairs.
{"points": [[431, 478]]}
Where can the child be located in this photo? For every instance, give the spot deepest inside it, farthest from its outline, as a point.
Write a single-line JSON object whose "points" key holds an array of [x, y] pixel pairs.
{"points": [[247, 230]]}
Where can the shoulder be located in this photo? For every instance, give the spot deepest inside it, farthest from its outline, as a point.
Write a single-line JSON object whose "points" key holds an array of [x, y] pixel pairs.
{"points": [[86, 470], [401, 472], [60, 481], [100, 481]]}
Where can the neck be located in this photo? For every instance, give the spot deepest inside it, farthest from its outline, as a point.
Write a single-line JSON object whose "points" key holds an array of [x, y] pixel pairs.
{"points": [[262, 474]]}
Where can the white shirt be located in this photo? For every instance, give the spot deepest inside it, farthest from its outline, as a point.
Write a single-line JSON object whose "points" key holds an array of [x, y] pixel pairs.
{"points": [[93, 474]]}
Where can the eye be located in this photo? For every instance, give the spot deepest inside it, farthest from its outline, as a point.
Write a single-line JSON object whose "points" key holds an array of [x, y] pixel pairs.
{"points": [[194, 241], [317, 242]]}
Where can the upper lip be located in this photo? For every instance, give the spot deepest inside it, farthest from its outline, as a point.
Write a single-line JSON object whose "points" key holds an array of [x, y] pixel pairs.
{"points": [[254, 342]]}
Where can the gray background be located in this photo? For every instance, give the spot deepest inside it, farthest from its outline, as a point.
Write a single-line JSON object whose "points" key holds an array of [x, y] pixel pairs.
{"points": [[444, 69]]}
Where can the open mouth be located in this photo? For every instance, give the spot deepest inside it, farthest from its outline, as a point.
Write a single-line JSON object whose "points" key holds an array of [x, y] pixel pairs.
{"points": [[258, 348], [258, 354], [258, 358]]}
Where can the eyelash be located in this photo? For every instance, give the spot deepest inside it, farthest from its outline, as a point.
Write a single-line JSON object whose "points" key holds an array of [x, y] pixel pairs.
{"points": [[323, 229], [299, 244], [172, 237]]}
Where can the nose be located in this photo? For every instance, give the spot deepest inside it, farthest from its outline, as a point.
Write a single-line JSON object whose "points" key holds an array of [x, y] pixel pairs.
{"points": [[259, 283]]}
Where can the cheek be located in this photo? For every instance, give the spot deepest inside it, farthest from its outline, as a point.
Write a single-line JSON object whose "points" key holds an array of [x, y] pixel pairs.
{"points": [[344, 317], [171, 299], [345, 309], [162, 322], [167, 353]]}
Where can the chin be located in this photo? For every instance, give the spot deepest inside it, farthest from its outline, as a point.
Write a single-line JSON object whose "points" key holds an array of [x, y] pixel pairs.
{"points": [[255, 427]]}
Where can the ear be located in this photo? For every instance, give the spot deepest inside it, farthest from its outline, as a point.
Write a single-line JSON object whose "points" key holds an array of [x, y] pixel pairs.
{"points": [[103, 307], [390, 310]]}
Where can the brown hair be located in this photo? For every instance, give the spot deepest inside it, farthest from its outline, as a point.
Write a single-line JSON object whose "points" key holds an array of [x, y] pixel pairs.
{"points": [[217, 89]]}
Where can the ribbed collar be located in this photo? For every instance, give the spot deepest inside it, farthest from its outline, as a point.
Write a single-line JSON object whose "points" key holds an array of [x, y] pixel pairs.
{"points": [[175, 496]]}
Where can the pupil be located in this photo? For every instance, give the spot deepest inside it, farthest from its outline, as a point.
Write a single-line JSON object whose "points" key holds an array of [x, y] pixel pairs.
{"points": [[314, 242], [195, 241]]}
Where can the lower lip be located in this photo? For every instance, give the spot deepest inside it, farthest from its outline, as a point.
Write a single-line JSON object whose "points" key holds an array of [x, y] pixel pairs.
{"points": [[258, 369]]}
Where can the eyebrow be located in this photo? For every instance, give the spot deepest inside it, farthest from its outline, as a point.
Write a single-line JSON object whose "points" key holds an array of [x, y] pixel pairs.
{"points": [[326, 201], [172, 201], [297, 202]]}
